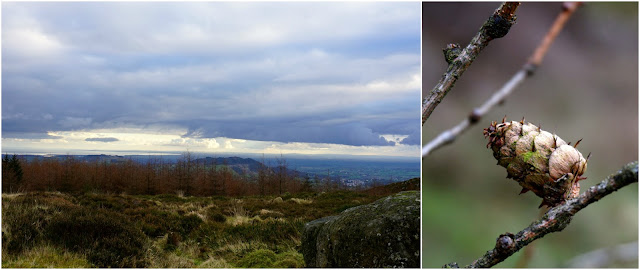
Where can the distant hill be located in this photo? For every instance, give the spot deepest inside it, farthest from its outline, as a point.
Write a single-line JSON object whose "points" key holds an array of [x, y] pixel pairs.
{"points": [[237, 164], [241, 165], [411, 184]]}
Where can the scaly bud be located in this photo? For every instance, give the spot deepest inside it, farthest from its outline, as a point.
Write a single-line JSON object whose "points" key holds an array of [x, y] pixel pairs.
{"points": [[538, 160]]}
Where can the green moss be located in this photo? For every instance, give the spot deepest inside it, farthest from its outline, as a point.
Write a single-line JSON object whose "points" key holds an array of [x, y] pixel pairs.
{"points": [[261, 258], [289, 260], [527, 156]]}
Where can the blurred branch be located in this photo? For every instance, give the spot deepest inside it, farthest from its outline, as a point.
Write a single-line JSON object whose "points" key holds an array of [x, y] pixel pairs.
{"points": [[498, 97], [496, 26], [556, 219], [606, 257]]}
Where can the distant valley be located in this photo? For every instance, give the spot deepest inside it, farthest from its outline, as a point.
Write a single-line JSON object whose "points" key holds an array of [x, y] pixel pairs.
{"points": [[349, 171]]}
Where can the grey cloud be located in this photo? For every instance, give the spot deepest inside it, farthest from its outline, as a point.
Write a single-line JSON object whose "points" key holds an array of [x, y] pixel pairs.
{"points": [[29, 135], [413, 139], [116, 66], [349, 134], [75, 122], [107, 139], [213, 27]]}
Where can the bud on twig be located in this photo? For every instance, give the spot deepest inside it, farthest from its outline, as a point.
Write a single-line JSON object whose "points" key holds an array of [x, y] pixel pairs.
{"points": [[538, 160]]}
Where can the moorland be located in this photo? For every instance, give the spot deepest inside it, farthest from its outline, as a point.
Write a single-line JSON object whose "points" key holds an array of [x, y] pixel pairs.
{"points": [[67, 213]]}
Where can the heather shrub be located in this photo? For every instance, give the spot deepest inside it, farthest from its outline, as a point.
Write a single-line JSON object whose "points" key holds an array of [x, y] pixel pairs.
{"points": [[215, 214], [189, 223], [108, 238], [208, 234], [24, 218], [21, 228]]}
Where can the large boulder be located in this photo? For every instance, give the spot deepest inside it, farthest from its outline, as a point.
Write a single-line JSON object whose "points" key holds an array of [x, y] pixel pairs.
{"points": [[385, 233]]}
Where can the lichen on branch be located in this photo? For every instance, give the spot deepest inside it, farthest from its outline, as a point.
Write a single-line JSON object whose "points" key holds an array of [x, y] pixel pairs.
{"points": [[496, 26]]}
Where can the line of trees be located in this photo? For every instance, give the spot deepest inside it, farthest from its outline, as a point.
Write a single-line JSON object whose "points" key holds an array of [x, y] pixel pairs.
{"points": [[11, 173], [188, 176]]}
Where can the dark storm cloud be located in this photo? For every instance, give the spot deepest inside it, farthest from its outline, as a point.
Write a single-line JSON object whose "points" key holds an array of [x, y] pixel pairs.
{"points": [[108, 139], [349, 134], [413, 139], [82, 66]]}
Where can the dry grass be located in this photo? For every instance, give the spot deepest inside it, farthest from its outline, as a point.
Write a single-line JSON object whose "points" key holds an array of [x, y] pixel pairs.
{"points": [[241, 247], [301, 201], [239, 215], [45, 256], [270, 212], [11, 195], [215, 263]]}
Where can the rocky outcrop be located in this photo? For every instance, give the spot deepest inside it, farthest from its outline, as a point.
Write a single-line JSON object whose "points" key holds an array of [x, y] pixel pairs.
{"points": [[385, 233]]}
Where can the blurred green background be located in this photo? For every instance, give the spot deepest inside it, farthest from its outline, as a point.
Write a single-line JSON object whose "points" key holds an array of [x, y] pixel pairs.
{"points": [[586, 87]]}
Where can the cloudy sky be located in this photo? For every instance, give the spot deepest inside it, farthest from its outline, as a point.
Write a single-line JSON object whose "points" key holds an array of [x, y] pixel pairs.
{"points": [[309, 78]]}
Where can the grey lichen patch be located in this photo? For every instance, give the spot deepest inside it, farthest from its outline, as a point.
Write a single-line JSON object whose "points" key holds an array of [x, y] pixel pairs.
{"points": [[451, 52]]}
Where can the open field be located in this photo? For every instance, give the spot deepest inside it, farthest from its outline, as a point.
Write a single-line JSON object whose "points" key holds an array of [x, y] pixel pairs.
{"points": [[52, 229]]}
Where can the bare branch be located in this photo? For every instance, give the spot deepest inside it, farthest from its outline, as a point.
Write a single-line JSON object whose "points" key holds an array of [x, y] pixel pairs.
{"points": [[568, 8], [499, 96], [449, 136], [496, 26], [556, 219]]}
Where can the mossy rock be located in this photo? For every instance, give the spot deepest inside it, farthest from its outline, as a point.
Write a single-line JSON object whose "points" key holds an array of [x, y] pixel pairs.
{"points": [[385, 233]]}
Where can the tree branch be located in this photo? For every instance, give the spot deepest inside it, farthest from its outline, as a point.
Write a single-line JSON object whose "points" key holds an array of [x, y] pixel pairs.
{"points": [[556, 219], [496, 26], [527, 70]]}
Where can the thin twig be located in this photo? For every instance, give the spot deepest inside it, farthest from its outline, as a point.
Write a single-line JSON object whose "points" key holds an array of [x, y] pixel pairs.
{"points": [[556, 219], [496, 26], [527, 70], [567, 10], [449, 136]]}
